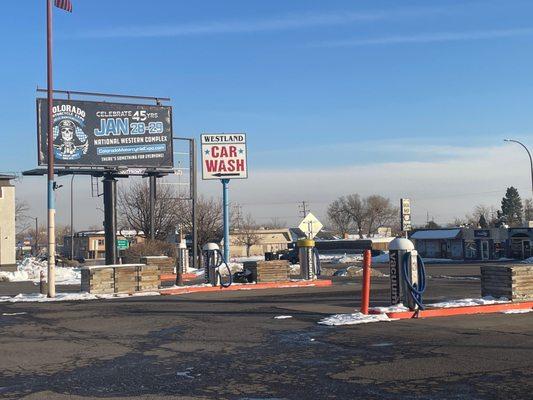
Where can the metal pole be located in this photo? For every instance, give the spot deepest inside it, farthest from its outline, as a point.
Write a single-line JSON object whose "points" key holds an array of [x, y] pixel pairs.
{"points": [[72, 217], [153, 182], [225, 205], [194, 196], [530, 158], [50, 136], [36, 235], [110, 219]]}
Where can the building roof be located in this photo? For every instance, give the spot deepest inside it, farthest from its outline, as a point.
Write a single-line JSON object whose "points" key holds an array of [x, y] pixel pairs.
{"points": [[435, 234]]}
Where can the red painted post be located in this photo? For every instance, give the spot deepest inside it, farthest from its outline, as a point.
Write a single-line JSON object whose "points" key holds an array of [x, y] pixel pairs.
{"points": [[365, 292]]}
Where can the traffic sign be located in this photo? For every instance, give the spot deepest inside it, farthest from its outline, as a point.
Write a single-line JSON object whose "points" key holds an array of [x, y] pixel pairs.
{"points": [[123, 244], [310, 225], [405, 215], [224, 156]]}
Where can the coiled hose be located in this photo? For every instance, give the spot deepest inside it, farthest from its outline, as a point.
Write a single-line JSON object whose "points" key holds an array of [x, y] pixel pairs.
{"points": [[218, 263], [415, 290]]}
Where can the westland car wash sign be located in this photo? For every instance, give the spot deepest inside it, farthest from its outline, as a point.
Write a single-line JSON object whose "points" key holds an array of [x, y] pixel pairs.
{"points": [[224, 156], [98, 134]]}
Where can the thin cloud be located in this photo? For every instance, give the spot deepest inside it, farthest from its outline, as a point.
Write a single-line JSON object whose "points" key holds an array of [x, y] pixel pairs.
{"points": [[429, 38], [289, 22]]}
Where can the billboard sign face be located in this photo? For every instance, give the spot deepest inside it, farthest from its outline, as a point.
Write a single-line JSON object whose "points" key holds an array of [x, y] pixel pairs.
{"points": [[405, 215], [99, 134], [224, 156]]}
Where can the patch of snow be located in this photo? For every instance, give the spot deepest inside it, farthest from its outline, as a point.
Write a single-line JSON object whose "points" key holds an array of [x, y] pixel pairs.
{"points": [[520, 311], [469, 302], [8, 314], [394, 308], [436, 234], [353, 319], [42, 298], [283, 316], [30, 270], [341, 258], [381, 259], [455, 278]]}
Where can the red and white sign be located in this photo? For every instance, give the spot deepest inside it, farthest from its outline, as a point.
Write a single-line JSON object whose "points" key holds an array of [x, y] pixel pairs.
{"points": [[224, 156]]}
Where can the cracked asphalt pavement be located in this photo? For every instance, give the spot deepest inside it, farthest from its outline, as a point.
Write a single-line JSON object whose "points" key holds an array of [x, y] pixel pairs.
{"points": [[228, 345]]}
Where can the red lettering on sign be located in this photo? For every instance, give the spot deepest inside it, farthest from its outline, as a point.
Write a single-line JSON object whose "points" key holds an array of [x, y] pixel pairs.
{"points": [[240, 165], [232, 151], [211, 165]]}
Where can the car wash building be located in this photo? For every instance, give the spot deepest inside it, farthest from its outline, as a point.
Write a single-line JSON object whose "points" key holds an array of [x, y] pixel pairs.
{"points": [[439, 243], [485, 244]]}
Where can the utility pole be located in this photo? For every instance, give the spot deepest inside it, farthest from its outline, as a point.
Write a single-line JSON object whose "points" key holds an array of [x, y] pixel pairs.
{"points": [[304, 208]]}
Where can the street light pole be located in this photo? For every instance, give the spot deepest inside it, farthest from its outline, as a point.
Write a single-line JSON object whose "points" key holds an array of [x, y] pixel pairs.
{"points": [[530, 158], [72, 217]]}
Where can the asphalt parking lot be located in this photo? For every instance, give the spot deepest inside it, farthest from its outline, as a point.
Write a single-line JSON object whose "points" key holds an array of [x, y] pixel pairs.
{"points": [[230, 346]]}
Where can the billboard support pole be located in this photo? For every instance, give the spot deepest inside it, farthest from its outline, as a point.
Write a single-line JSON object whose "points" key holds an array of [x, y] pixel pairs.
{"points": [[50, 136], [225, 206], [194, 196], [152, 184], [110, 219]]}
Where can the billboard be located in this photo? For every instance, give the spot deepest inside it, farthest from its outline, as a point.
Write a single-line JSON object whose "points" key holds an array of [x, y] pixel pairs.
{"points": [[224, 156], [100, 134]]}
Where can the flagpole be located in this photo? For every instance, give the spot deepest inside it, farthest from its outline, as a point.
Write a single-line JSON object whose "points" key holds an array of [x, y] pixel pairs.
{"points": [[50, 187]]}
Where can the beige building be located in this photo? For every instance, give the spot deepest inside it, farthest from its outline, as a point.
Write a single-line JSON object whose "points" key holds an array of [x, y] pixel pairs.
{"points": [[90, 245], [267, 240], [7, 223]]}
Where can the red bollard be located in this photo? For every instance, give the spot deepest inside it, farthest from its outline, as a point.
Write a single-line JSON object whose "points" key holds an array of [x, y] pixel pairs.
{"points": [[365, 292]]}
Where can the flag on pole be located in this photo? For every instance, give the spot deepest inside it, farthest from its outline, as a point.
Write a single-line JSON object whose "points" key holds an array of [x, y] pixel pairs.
{"points": [[64, 5]]}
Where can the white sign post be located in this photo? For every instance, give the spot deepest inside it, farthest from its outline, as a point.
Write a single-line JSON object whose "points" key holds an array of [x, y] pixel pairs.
{"points": [[405, 215], [310, 225], [224, 157]]}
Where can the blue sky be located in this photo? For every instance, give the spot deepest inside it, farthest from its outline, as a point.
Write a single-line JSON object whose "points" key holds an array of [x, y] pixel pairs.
{"points": [[317, 85]]}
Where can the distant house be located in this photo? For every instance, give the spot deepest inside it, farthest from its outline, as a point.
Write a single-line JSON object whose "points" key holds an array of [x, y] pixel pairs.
{"points": [[267, 240], [461, 243]]}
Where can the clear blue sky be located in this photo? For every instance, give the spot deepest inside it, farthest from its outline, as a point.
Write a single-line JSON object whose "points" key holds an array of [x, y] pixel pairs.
{"points": [[302, 77]]}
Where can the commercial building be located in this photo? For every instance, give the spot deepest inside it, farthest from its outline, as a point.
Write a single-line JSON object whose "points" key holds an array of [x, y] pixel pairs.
{"points": [[462, 243], [521, 240], [7, 223]]}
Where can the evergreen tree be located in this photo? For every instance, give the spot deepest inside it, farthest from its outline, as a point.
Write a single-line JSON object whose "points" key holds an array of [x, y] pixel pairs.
{"points": [[512, 207], [483, 222]]}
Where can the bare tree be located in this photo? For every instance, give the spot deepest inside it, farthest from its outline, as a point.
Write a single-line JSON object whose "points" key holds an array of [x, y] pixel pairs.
{"points": [[379, 212], [22, 221], [275, 223], [482, 215], [209, 219], [246, 234], [134, 208], [355, 208], [528, 210], [339, 219]]}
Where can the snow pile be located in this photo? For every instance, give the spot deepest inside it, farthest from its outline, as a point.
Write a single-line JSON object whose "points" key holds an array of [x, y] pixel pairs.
{"points": [[519, 311], [381, 259], [352, 271], [527, 261], [341, 259], [30, 270], [294, 269], [41, 298], [353, 319], [283, 316], [469, 302]]}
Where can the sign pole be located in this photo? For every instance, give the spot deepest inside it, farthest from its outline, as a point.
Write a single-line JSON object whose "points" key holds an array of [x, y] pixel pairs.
{"points": [[50, 136], [225, 206]]}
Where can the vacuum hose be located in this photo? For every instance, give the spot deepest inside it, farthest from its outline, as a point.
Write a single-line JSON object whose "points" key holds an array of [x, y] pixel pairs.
{"points": [[219, 261], [415, 290], [317, 258]]}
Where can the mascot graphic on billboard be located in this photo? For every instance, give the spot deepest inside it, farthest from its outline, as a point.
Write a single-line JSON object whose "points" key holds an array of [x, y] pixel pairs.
{"points": [[70, 142]]}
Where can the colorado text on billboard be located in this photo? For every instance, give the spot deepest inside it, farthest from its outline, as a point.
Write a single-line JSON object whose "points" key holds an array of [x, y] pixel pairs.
{"points": [[224, 156]]}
